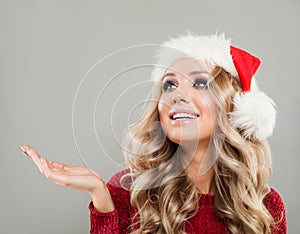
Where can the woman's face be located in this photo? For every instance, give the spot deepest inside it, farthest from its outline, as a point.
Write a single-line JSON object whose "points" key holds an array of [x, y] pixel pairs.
{"points": [[186, 109]]}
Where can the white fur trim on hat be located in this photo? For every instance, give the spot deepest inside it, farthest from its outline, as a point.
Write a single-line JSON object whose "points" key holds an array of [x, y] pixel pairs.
{"points": [[254, 113], [214, 49]]}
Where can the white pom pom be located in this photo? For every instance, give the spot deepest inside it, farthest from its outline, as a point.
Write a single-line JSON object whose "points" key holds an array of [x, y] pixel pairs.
{"points": [[254, 113]]}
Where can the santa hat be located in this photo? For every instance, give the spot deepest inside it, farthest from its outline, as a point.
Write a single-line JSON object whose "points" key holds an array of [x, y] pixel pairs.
{"points": [[254, 112]]}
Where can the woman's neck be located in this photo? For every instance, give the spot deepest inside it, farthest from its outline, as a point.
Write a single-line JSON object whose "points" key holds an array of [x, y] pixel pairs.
{"points": [[203, 182], [198, 162]]}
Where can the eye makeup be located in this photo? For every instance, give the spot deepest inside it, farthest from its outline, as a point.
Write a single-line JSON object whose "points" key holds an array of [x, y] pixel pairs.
{"points": [[199, 80], [200, 83], [169, 84]]}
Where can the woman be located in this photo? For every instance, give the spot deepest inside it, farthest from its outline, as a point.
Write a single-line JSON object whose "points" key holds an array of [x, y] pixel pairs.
{"points": [[198, 158]]}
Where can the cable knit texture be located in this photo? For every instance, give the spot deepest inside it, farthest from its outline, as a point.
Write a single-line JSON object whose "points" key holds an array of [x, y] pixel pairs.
{"points": [[205, 221]]}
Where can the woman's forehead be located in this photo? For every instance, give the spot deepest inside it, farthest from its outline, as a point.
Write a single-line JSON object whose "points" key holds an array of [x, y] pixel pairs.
{"points": [[187, 64]]}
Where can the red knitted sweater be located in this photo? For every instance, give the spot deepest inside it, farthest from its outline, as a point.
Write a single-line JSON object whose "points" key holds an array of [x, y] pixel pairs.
{"points": [[205, 221]]}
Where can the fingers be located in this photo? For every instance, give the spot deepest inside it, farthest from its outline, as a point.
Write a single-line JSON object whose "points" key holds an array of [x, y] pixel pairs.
{"points": [[31, 153], [59, 172], [54, 173], [76, 170], [24, 151], [66, 178], [58, 165]]}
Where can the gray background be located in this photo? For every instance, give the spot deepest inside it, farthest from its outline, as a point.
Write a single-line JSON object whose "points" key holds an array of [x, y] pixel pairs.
{"points": [[47, 47]]}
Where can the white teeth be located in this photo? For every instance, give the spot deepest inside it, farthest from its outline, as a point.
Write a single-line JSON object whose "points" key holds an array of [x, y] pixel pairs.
{"points": [[184, 116]]}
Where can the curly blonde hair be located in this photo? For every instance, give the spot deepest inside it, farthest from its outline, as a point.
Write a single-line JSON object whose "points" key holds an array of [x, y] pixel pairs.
{"points": [[165, 196]]}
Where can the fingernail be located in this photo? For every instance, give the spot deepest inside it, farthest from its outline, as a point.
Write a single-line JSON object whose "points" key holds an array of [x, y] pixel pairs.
{"points": [[26, 155], [24, 151]]}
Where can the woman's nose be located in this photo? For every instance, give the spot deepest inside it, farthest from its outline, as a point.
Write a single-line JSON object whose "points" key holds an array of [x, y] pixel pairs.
{"points": [[178, 97]]}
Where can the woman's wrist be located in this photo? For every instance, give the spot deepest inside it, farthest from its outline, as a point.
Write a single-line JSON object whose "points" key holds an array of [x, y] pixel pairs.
{"points": [[102, 200]]}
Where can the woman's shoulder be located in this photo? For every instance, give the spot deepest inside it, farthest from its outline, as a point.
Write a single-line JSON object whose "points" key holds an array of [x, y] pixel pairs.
{"points": [[275, 205], [273, 200], [120, 194], [119, 181]]}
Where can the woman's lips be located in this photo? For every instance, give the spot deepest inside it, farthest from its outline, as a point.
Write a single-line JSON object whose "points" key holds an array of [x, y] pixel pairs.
{"points": [[182, 116]]}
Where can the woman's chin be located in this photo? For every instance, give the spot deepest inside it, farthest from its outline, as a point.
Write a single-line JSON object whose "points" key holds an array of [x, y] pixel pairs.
{"points": [[184, 139]]}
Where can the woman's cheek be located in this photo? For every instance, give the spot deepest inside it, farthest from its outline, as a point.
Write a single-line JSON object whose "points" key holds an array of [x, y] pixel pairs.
{"points": [[163, 109]]}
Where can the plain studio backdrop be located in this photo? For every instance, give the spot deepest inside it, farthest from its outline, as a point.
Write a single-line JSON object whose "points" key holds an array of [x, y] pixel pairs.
{"points": [[54, 98]]}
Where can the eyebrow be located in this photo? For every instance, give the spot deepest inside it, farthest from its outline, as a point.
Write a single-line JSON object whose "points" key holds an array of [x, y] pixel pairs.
{"points": [[167, 74], [198, 72], [191, 73]]}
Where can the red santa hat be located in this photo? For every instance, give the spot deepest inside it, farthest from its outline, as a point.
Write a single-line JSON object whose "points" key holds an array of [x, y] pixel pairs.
{"points": [[254, 112]]}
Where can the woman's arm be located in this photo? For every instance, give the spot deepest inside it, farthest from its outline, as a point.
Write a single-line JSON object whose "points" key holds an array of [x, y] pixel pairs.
{"points": [[275, 205], [80, 178], [119, 220]]}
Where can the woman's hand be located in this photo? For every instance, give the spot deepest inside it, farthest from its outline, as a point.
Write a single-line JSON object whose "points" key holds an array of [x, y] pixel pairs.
{"points": [[80, 178]]}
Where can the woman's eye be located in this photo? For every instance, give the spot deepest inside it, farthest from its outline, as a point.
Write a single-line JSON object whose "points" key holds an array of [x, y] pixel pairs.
{"points": [[200, 83], [168, 85]]}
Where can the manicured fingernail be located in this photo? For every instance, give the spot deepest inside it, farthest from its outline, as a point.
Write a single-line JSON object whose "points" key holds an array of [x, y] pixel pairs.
{"points": [[26, 155], [24, 151]]}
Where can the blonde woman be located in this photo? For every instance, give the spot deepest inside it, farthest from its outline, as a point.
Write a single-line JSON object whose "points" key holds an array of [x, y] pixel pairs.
{"points": [[198, 158]]}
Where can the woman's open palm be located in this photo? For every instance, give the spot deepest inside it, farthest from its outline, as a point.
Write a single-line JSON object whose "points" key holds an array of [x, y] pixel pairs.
{"points": [[76, 177]]}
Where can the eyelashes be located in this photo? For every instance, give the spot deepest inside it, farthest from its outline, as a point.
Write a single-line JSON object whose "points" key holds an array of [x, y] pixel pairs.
{"points": [[199, 83], [168, 85]]}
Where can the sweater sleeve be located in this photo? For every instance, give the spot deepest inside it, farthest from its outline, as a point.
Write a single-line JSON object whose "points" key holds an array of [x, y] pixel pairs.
{"points": [[275, 205], [117, 221]]}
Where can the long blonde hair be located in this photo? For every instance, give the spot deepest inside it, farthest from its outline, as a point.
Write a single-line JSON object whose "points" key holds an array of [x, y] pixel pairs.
{"points": [[164, 195]]}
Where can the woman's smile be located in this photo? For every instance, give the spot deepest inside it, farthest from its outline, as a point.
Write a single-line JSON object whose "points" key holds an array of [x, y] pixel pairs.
{"points": [[182, 116]]}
